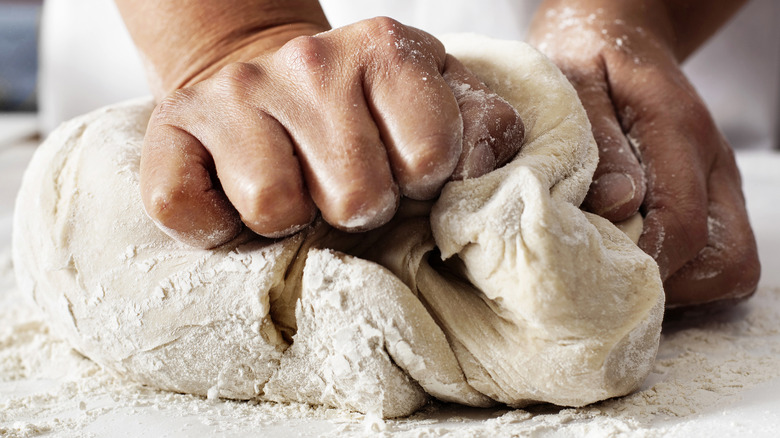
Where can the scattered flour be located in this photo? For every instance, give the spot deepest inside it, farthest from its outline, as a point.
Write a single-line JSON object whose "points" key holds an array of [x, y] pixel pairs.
{"points": [[706, 362]]}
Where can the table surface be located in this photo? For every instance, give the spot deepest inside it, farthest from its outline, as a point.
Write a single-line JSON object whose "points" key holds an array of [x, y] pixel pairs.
{"points": [[721, 408]]}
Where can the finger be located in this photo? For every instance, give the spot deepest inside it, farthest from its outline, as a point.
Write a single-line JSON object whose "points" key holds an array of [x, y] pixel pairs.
{"points": [[728, 266], [342, 157], [675, 227], [254, 156], [492, 129], [177, 189], [417, 115], [618, 186], [261, 176], [674, 132]]}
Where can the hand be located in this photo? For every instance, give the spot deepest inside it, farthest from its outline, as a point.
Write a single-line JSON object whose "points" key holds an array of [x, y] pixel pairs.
{"points": [[660, 151], [343, 121]]}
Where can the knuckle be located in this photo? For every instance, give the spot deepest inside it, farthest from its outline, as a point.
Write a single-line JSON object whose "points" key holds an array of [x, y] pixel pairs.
{"points": [[245, 72], [237, 80], [171, 107], [397, 43], [303, 54], [384, 31], [305, 60], [382, 25]]}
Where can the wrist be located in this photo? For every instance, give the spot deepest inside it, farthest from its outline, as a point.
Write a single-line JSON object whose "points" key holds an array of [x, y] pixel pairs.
{"points": [[184, 42], [244, 48]]}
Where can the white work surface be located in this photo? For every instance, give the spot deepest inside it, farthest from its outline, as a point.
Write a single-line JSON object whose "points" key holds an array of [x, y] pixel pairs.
{"points": [[716, 374]]}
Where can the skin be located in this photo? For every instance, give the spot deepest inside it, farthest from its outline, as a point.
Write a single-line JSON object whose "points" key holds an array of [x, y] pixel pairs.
{"points": [[660, 151], [239, 136], [267, 118]]}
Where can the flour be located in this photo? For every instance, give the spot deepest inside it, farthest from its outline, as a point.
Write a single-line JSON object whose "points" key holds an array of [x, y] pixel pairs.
{"points": [[705, 363]]}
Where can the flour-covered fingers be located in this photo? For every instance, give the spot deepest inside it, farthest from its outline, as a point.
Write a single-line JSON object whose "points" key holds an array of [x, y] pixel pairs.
{"points": [[344, 121], [493, 132], [727, 268], [343, 159], [261, 176], [253, 154], [178, 191], [414, 109], [346, 169]]}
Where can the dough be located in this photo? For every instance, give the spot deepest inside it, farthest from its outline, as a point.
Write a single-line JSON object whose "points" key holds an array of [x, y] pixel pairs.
{"points": [[502, 291]]}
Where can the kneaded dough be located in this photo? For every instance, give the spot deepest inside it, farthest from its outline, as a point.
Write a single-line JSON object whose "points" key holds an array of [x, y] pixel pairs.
{"points": [[502, 291]]}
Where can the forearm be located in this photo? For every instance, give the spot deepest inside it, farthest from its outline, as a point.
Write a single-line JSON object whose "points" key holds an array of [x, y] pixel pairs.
{"points": [[184, 40], [683, 25]]}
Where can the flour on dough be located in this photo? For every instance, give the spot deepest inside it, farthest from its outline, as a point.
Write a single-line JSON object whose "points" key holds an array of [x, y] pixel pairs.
{"points": [[503, 291]]}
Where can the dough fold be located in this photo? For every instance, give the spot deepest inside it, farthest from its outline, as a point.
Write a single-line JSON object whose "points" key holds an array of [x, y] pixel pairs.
{"points": [[503, 291]]}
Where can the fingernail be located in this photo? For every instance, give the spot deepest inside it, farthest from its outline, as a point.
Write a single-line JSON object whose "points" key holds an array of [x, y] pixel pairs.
{"points": [[611, 191]]}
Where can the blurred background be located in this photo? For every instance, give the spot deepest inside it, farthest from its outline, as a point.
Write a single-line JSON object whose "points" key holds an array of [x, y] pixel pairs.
{"points": [[19, 20], [18, 54], [60, 59]]}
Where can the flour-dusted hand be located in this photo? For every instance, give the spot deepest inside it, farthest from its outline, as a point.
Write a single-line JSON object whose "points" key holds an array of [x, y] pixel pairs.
{"points": [[660, 151], [293, 119]]}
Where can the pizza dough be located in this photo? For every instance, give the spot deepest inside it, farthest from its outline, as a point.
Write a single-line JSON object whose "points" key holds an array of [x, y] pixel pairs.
{"points": [[502, 291]]}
